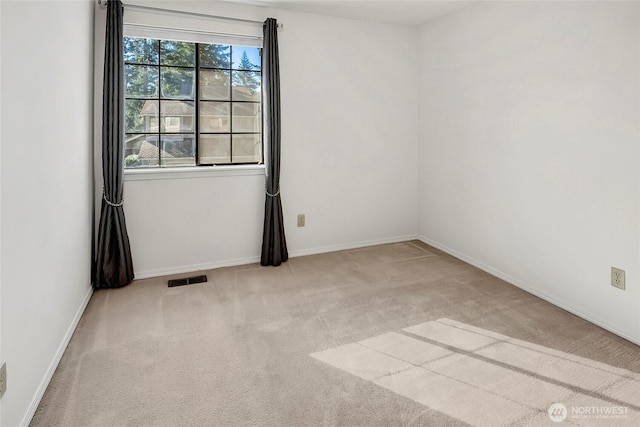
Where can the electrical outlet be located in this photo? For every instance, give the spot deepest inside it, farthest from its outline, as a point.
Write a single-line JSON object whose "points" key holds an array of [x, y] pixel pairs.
{"points": [[301, 220], [617, 278], [3, 379]]}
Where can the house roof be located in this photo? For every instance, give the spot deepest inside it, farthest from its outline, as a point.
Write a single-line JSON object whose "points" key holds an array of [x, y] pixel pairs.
{"points": [[169, 108], [150, 151], [185, 108]]}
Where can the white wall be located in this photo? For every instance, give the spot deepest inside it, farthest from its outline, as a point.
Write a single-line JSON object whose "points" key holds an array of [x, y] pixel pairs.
{"points": [[46, 190], [1, 353], [529, 154], [350, 127], [349, 147]]}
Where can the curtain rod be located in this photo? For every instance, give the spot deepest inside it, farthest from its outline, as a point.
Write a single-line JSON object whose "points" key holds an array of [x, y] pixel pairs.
{"points": [[182, 12]]}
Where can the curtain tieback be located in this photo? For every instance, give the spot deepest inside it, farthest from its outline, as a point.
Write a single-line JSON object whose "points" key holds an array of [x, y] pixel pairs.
{"points": [[110, 203], [269, 194]]}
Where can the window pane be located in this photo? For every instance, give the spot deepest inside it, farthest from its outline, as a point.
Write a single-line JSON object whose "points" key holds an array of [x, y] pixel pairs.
{"points": [[246, 86], [140, 115], [178, 150], [141, 151], [132, 144], [177, 83], [141, 81], [246, 117], [214, 85], [214, 117], [177, 116], [140, 51], [160, 104], [215, 149], [215, 55], [177, 53], [246, 58], [247, 148]]}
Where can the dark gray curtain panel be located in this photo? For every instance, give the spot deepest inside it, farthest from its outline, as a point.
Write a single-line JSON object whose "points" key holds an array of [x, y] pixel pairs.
{"points": [[113, 264], [274, 244]]}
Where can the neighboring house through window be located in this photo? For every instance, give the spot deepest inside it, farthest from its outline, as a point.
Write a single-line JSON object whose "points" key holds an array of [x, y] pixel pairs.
{"points": [[189, 104]]}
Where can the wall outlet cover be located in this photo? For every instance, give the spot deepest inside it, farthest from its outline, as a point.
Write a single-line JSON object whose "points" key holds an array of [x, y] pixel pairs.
{"points": [[3, 379], [618, 278]]}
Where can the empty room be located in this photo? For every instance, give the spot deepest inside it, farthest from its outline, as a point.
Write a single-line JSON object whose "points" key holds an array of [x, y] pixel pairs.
{"points": [[319, 213]]}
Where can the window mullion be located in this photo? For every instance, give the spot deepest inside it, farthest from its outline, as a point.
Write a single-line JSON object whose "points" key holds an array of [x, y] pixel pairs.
{"points": [[196, 105], [160, 121], [231, 71]]}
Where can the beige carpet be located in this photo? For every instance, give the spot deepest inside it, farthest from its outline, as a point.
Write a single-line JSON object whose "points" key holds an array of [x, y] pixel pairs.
{"points": [[392, 335]]}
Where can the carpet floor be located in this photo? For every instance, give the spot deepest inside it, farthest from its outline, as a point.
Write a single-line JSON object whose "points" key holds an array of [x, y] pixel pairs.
{"points": [[392, 335]]}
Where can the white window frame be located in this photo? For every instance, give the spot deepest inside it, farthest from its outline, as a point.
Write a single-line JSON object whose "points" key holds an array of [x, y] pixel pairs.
{"points": [[169, 26]]}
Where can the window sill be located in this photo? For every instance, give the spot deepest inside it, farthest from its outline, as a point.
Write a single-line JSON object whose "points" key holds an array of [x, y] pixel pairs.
{"points": [[192, 172]]}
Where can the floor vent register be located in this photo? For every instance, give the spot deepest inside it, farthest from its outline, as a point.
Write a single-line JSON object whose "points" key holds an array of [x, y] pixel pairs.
{"points": [[187, 281]]}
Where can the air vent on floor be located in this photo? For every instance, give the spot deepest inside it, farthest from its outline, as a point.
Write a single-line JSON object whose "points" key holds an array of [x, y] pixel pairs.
{"points": [[187, 281]]}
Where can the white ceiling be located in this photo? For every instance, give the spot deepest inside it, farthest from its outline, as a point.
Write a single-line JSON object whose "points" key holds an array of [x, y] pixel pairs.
{"points": [[414, 12]]}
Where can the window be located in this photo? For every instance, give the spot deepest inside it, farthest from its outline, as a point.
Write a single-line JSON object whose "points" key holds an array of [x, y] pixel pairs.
{"points": [[189, 104]]}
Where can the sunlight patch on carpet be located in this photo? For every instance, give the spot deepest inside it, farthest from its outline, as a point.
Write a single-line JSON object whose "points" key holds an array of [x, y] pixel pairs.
{"points": [[488, 379]]}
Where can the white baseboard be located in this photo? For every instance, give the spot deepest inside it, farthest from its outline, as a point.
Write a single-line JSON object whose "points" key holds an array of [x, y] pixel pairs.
{"points": [[346, 246], [195, 267], [56, 360], [530, 289], [250, 260]]}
